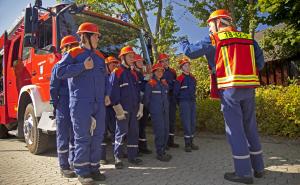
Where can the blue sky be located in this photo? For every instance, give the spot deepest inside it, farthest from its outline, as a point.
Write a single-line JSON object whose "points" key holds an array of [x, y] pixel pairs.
{"points": [[10, 10]]}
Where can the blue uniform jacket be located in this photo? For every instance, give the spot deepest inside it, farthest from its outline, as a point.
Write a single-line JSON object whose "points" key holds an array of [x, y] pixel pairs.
{"points": [[170, 76], [58, 87], [156, 96], [83, 84], [185, 88], [125, 89]]}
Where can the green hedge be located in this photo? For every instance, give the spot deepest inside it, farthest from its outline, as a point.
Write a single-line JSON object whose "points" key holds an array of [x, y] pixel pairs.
{"points": [[277, 110]]}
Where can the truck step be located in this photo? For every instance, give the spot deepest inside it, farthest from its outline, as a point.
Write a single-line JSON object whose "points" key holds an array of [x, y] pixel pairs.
{"points": [[13, 132]]}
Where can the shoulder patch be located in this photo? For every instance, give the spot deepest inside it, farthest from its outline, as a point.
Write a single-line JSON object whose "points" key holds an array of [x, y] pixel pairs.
{"points": [[99, 54], [152, 82], [119, 71], [74, 52], [180, 78]]}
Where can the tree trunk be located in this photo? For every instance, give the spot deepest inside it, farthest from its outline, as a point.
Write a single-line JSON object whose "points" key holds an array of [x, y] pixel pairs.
{"points": [[148, 29]]}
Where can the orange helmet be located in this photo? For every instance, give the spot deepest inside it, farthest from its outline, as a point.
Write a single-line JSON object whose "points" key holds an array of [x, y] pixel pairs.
{"points": [[221, 13], [67, 40], [88, 27], [183, 61], [138, 58], [125, 50], [157, 66], [162, 56], [111, 59]]}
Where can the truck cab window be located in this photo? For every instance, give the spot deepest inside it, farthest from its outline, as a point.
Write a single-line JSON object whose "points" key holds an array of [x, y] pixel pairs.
{"points": [[44, 37], [15, 53]]}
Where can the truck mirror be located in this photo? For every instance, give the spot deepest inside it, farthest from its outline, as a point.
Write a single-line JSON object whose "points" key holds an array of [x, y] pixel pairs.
{"points": [[30, 26], [53, 49]]}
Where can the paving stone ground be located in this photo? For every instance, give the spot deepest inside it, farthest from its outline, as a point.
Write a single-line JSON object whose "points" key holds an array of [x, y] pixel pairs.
{"points": [[203, 167]]}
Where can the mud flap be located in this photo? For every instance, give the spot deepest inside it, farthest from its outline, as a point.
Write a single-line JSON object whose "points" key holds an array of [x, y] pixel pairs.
{"points": [[47, 123]]}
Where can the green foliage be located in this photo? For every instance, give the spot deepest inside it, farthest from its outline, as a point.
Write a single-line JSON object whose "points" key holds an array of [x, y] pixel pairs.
{"points": [[284, 42], [278, 110], [246, 19]]}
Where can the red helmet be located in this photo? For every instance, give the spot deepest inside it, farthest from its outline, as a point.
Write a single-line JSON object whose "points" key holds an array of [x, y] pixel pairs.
{"points": [[162, 56], [138, 58], [67, 40], [183, 61], [111, 59], [157, 66], [88, 27], [125, 50], [221, 13]]}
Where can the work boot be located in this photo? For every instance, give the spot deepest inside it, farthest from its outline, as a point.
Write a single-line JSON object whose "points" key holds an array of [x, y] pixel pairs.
{"points": [[103, 162], [258, 174], [163, 158], [136, 161], [119, 164], [171, 142], [67, 173], [86, 180], [97, 176], [145, 151], [234, 178], [188, 148]]}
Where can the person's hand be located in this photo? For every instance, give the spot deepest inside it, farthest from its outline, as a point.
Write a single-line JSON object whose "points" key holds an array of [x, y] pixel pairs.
{"points": [[140, 112], [89, 63], [107, 101]]}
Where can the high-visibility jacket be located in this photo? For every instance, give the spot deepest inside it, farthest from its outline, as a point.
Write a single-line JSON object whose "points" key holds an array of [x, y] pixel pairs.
{"points": [[235, 60]]}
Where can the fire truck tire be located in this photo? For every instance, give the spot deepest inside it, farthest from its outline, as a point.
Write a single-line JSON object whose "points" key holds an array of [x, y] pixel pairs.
{"points": [[36, 140], [3, 132]]}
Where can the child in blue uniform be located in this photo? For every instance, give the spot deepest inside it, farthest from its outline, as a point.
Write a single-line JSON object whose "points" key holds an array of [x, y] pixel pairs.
{"points": [[184, 92]]}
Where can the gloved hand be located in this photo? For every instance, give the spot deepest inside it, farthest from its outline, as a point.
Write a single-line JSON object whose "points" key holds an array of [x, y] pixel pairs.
{"points": [[140, 112], [120, 112], [107, 101], [93, 125]]}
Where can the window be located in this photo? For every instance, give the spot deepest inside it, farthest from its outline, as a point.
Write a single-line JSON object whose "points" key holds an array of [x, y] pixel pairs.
{"points": [[44, 37]]}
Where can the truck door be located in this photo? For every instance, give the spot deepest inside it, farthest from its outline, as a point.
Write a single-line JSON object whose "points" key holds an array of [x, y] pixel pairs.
{"points": [[4, 49], [13, 86]]}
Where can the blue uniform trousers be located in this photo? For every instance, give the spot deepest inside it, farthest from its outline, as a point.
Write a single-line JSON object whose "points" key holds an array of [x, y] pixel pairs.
{"points": [[142, 129], [64, 133], [110, 126], [238, 106], [160, 121], [188, 119], [172, 116], [87, 146], [127, 128]]}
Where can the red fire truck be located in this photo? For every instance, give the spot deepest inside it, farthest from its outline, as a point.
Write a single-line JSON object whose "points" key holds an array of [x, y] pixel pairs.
{"points": [[28, 52]]}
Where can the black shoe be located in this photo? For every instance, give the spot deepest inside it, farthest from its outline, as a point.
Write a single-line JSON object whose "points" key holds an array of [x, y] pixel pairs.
{"points": [[173, 145], [119, 164], [97, 176], [194, 147], [234, 178], [103, 162], [145, 151], [68, 173], [136, 161], [164, 157], [188, 148], [259, 174], [86, 180]]}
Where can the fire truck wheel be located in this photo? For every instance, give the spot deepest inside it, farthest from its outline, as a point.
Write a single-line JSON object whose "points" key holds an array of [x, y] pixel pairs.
{"points": [[35, 139], [3, 132]]}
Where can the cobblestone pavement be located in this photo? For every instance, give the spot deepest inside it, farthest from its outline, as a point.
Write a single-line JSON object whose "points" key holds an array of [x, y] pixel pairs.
{"points": [[203, 167]]}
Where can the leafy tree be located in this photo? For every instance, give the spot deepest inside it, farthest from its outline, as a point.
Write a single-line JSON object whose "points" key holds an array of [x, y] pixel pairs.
{"points": [[244, 13], [162, 37]]}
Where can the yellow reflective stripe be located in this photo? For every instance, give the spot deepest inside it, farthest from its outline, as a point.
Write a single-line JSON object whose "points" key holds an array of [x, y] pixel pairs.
{"points": [[237, 77], [233, 84], [232, 34], [226, 60], [253, 59]]}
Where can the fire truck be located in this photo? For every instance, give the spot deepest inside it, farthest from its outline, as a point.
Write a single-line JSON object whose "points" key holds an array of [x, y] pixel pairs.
{"points": [[28, 52]]}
